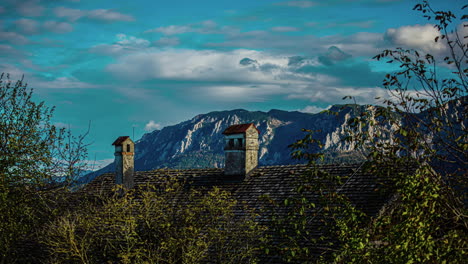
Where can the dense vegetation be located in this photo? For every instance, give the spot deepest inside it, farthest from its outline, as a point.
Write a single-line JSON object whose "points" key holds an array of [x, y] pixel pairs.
{"points": [[424, 177], [35, 156], [156, 225], [421, 159]]}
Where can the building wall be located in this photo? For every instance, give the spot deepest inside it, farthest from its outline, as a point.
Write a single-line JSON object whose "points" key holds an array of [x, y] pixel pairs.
{"points": [[240, 160], [128, 169], [124, 164], [251, 149], [235, 162], [118, 167]]}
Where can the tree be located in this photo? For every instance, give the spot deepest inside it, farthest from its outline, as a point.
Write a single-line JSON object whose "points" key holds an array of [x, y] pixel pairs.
{"points": [[418, 143], [163, 224], [428, 221], [35, 156]]}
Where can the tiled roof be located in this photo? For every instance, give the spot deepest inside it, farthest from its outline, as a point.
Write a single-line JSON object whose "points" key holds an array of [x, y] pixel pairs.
{"points": [[120, 140], [273, 182], [238, 129], [277, 182]]}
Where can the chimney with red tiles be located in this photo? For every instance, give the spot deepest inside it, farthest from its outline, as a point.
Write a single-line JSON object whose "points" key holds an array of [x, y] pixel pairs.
{"points": [[124, 161], [241, 149]]}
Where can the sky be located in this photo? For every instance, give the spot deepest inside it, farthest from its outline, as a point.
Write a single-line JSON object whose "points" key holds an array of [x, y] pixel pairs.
{"points": [[130, 67]]}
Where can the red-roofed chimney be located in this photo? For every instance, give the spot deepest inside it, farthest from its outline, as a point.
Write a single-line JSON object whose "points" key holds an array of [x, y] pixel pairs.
{"points": [[241, 149], [124, 161]]}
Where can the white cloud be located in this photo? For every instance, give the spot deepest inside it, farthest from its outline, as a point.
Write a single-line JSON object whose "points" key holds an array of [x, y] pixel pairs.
{"points": [[13, 38], [103, 15], [69, 13], [151, 125], [14, 72], [203, 65], [40, 82], [132, 41], [420, 37], [321, 92], [108, 49], [61, 83], [265, 76], [167, 41], [43, 83], [121, 46], [300, 4], [242, 93], [7, 50], [30, 8], [284, 29], [27, 26], [31, 27], [360, 44], [107, 15], [313, 109], [203, 27], [170, 30], [57, 27]]}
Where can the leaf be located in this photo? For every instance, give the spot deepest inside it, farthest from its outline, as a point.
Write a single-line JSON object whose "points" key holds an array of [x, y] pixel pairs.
{"points": [[403, 132], [417, 7]]}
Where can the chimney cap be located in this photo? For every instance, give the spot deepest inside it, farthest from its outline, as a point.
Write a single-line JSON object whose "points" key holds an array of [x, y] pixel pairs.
{"points": [[239, 129], [120, 140]]}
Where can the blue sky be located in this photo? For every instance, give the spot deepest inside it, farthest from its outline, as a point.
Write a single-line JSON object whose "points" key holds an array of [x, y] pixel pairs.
{"points": [[146, 64]]}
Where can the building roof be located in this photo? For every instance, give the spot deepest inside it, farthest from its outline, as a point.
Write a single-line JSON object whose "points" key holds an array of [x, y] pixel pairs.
{"points": [[276, 183], [239, 129], [120, 140]]}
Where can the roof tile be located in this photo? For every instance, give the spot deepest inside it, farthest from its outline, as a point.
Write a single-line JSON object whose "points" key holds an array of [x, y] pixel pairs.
{"points": [[239, 129], [120, 140]]}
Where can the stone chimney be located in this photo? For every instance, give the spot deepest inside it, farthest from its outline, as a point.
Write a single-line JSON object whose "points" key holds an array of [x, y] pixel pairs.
{"points": [[124, 161], [241, 149]]}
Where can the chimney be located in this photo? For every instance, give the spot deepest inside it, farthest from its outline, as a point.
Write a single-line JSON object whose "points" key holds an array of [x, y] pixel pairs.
{"points": [[241, 149], [124, 161]]}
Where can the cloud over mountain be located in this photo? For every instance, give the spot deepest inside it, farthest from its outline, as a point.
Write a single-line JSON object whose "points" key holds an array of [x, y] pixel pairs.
{"points": [[419, 37], [246, 75]]}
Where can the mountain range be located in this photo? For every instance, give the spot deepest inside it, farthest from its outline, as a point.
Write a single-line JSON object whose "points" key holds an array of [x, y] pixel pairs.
{"points": [[198, 142]]}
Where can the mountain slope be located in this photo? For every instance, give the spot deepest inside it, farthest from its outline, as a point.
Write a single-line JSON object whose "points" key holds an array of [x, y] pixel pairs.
{"points": [[198, 142]]}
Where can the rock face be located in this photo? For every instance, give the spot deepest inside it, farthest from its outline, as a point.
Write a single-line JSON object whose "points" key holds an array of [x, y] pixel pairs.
{"points": [[199, 142]]}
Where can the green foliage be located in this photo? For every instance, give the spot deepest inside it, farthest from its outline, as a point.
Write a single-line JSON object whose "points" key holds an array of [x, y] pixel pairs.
{"points": [[421, 226], [163, 224], [41, 221], [416, 145], [26, 136], [32, 159]]}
